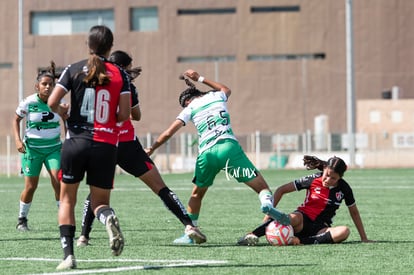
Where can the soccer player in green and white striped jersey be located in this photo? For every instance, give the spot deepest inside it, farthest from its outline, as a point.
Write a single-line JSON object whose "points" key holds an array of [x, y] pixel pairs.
{"points": [[41, 143], [217, 145]]}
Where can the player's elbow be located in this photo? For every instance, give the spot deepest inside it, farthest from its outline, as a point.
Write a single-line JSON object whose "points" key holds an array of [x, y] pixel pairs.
{"points": [[227, 91], [135, 114], [53, 106]]}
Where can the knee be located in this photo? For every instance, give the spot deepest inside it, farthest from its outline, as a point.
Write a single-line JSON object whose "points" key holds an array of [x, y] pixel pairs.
{"points": [[346, 232], [30, 188], [197, 196], [340, 234], [198, 193], [296, 220], [55, 181]]}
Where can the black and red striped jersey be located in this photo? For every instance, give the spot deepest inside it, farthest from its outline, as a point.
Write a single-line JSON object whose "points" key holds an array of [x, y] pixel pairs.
{"points": [[93, 110], [321, 202], [126, 128]]}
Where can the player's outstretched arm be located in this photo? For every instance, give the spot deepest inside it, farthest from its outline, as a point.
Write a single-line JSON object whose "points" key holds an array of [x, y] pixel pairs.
{"points": [[356, 218], [166, 135]]}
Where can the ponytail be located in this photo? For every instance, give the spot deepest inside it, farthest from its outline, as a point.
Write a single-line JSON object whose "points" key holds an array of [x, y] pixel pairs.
{"points": [[96, 74], [49, 72], [189, 93], [100, 42]]}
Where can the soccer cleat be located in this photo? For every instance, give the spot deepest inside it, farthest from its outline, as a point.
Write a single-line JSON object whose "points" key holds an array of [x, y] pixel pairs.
{"points": [[116, 239], [22, 225], [183, 240], [195, 234], [266, 207], [82, 241], [277, 215], [68, 263], [250, 239]]}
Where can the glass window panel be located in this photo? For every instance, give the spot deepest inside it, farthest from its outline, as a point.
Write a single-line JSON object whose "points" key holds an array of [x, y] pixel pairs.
{"points": [[69, 22], [59, 25], [144, 19]]}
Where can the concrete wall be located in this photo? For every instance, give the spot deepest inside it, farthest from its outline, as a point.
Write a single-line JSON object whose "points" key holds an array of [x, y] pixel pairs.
{"points": [[270, 96]]}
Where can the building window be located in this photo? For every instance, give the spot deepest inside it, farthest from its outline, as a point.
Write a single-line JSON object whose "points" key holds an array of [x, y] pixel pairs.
{"points": [[144, 19], [396, 116], [375, 117], [6, 65], [403, 140], [271, 57], [196, 59], [275, 9], [206, 11], [69, 22]]}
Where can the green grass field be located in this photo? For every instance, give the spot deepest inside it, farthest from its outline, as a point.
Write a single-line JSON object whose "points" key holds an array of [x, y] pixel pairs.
{"points": [[230, 209]]}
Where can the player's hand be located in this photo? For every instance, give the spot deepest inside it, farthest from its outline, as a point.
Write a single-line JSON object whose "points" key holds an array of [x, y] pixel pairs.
{"points": [[63, 110], [193, 75], [21, 148], [134, 72], [149, 151], [294, 241], [368, 241]]}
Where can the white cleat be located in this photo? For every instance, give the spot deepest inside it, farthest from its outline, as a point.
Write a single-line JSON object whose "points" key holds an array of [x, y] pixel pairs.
{"points": [[68, 263], [195, 234], [116, 239], [82, 241]]}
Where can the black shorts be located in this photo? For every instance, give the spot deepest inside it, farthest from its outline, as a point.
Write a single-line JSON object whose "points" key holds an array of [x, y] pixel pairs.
{"points": [[133, 159], [96, 159], [310, 228]]}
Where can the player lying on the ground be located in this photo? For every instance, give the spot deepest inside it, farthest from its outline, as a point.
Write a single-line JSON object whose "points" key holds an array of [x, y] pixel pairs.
{"points": [[312, 220]]}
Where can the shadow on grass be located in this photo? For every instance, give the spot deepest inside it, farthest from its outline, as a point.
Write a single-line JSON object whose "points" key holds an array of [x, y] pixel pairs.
{"points": [[231, 266], [30, 239], [197, 266], [210, 245], [379, 241]]}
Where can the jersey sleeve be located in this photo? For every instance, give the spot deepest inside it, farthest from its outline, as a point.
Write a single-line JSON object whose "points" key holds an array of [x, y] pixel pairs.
{"points": [[134, 96], [65, 79], [222, 95], [22, 109], [185, 115], [306, 181], [348, 193]]}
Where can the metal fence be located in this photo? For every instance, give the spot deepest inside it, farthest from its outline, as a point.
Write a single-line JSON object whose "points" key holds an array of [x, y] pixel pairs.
{"points": [[267, 151]]}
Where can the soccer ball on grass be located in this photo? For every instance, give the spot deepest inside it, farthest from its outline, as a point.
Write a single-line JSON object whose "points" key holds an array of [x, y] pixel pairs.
{"points": [[278, 234]]}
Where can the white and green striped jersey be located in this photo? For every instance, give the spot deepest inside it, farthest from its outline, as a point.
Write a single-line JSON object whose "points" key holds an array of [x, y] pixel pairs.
{"points": [[42, 125], [211, 118]]}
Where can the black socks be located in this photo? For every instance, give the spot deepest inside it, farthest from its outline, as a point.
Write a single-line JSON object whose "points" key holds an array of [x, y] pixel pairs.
{"points": [[173, 203]]}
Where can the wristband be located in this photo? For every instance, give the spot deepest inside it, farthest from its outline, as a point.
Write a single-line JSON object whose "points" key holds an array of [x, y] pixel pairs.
{"points": [[200, 79]]}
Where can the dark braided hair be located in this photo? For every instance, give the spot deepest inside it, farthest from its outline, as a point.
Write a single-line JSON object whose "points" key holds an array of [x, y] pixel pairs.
{"points": [[338, 165], [189, 93], [49, 72], [123, 60]]}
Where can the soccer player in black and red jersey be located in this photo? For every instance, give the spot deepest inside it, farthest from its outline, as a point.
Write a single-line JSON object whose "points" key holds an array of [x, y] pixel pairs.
{"points": [[132, 158], [312, 220], [100, 98]]}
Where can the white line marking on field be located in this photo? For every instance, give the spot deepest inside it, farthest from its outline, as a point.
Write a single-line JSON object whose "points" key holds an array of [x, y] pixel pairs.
{"points": [[167, 264]]}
